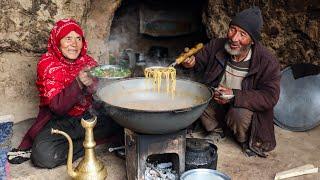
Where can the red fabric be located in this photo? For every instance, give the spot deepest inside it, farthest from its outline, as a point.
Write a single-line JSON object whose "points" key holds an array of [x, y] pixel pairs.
{"points": [[54, 75], [44, 116], [55, 72], [65, 26]]}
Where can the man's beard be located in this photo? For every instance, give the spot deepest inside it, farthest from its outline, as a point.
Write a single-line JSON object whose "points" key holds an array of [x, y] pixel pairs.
{"points": [[236, 52]]}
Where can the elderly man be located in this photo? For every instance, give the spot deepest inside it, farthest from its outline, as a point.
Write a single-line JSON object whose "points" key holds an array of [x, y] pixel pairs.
{"points": [[246, 78]]}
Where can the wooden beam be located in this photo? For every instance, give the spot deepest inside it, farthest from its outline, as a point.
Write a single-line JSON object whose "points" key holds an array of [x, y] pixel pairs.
{"points": [[298, 171]]}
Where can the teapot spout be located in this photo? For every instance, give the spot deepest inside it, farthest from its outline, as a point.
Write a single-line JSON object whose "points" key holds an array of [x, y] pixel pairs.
{"points": [[70, 170]]}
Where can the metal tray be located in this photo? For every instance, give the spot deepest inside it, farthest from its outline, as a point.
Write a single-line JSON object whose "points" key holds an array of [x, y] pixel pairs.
{"points": [[204, 174], [298, 108]]}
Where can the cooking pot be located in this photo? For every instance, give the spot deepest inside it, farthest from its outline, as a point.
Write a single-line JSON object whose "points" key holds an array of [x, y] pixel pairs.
{"points": [[200, 154], [134, 104]]}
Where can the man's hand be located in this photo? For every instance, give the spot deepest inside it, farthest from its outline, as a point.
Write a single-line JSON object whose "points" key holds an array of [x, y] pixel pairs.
{"points": [[189, 62], [84, 77], [219, 92]]}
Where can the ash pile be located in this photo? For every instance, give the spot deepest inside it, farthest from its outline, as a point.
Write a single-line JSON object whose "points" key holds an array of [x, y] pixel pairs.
{"points": [[161, 171]]}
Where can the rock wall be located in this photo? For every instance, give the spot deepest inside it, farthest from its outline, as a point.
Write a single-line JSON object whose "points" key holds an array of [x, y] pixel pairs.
{"points": [[24, 29], [291, 27], [291, 31], [97, 27], [25, 24]]}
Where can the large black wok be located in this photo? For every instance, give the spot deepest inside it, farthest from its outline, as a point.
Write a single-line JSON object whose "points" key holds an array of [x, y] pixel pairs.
{"points": [[134, 104]]}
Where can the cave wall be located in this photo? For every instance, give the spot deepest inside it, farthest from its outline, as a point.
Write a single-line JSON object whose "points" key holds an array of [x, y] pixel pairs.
{"points": [[291, 31], [291, 28], [125, 32], [24, 29]]}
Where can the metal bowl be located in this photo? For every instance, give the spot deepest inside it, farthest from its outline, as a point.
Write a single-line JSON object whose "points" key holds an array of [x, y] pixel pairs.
{"points": [[155, 112], [204, 174], [107, 67]]}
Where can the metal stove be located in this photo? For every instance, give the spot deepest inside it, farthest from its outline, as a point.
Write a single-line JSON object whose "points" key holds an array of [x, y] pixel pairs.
{"points": [[142, 149]]}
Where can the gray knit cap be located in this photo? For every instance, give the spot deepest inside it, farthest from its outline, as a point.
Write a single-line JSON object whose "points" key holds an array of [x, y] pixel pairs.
{"points": [[250, 20]]}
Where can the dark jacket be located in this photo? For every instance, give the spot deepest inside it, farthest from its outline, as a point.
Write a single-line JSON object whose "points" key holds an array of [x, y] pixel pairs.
{"points": [[260, 88]]}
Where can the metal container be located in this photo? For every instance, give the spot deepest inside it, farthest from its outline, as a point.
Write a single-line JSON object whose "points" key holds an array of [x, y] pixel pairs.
{"points": [[170, 114], [200, 154], [132, 58], [204, 174], [299, 102]]}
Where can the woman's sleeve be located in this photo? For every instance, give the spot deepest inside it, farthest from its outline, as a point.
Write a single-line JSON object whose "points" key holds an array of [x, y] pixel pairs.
{"points": [[69, 96], [93, 87]]}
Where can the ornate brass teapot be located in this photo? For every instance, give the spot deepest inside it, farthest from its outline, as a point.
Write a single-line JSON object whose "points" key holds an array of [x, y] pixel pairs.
{"points": [[89, 167]]}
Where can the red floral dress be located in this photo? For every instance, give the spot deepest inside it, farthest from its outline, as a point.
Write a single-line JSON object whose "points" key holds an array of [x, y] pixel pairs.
{"points": [[59, 91]]}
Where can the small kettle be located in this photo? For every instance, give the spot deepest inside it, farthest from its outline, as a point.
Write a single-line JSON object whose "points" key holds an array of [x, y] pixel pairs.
{"points": [[132, 58], [200, 154], [89, 167]]}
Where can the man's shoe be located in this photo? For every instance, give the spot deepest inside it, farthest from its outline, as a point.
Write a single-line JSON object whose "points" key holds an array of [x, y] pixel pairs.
{"points": [[245, 148]]}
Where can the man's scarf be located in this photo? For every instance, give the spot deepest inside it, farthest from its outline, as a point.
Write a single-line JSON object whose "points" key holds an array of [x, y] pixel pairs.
{"points": [[54, 72]]}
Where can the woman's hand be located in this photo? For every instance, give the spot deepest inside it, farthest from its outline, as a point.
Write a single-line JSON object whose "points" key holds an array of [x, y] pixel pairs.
{"points": [[84, 77], [189, 62]]}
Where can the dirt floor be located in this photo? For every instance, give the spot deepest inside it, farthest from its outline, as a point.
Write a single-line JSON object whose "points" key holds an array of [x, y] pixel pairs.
{"points": [[293, 149]]}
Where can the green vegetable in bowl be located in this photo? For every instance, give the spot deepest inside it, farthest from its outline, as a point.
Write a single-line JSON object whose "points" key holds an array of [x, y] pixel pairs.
{"points": [[110, 72], [98, 72]]}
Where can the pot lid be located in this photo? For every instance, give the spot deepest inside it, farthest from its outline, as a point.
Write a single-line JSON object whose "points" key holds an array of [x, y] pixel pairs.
{"points": [[298, 108]]}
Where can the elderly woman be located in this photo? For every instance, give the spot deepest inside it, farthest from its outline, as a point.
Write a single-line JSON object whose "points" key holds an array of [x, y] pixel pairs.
{"points": [[65, 91]]}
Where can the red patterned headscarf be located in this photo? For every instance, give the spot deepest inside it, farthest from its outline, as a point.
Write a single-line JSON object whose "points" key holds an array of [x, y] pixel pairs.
{"points": [[54, 72]]}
